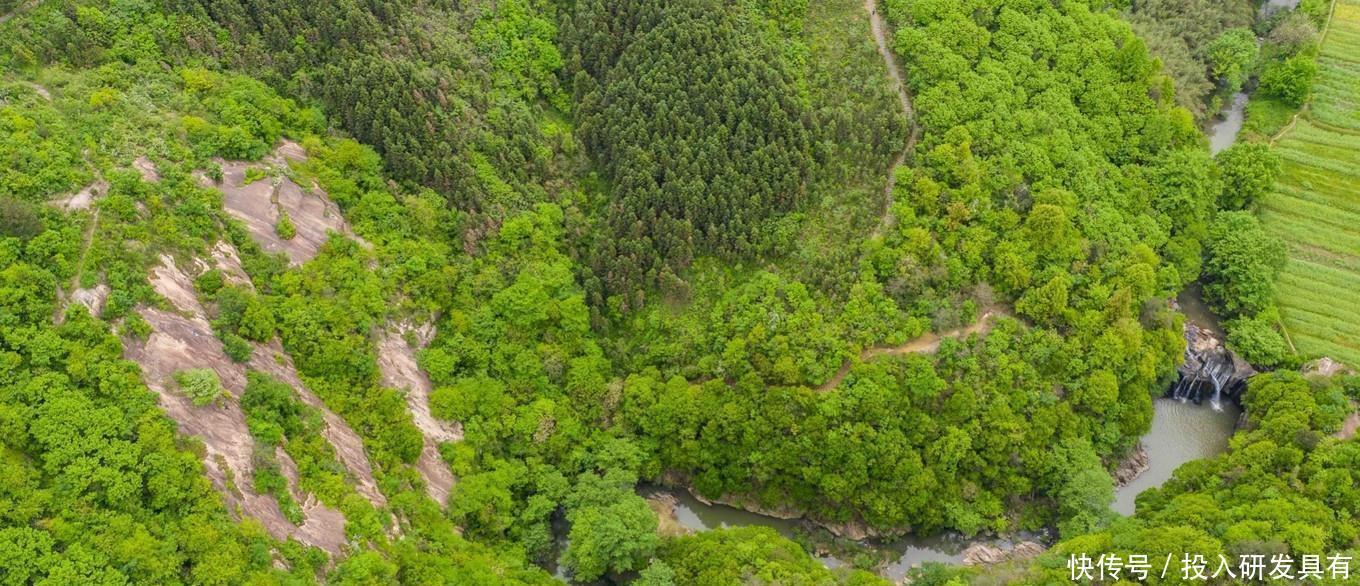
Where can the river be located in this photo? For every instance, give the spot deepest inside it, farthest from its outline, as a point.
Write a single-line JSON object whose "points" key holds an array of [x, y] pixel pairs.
{"points": [[901, 554]]}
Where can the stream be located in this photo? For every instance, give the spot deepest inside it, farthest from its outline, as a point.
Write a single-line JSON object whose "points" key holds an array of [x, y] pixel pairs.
{"points": [[904, 553]]}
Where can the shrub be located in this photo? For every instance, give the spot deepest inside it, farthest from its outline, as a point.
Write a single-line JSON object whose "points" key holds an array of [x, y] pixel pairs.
{"points": [[201, 385], [1291, 79], [1257, 340], [285, 228]]}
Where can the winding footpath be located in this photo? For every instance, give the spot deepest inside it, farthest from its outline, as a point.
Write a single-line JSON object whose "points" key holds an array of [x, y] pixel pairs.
{"points": [[17, 9], [879, 26], [928, 343]]}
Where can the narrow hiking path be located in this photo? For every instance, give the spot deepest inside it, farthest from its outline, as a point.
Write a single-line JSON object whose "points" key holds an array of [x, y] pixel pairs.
{"points": [[17, 9], [879, 26], [927, 343], [1304, 109], [88, 239]]}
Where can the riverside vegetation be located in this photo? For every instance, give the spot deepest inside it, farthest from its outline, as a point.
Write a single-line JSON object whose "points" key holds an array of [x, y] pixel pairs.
{"points": [[652, 242]]}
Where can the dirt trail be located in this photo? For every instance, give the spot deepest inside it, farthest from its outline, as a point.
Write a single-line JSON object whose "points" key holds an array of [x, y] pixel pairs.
{"points": [[83, 199], [879, 26], [925, 344], [17, 9], [397, 361], [1351, 425]]}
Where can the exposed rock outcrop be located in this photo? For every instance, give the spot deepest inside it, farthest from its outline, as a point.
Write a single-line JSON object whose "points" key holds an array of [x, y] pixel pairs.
{"points": [[981, 554], [260, 204], [1210, 371], [397, 361], [1131, 467]]}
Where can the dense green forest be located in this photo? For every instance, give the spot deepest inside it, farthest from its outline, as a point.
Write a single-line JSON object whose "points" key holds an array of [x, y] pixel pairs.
{"points": [[422, 291]]}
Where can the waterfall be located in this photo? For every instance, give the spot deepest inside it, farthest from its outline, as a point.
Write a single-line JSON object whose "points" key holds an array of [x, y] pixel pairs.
{"points": [[1208, 365]]}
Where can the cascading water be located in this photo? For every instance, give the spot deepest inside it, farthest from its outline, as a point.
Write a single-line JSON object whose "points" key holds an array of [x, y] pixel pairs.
{"points": [[1209, 366]]}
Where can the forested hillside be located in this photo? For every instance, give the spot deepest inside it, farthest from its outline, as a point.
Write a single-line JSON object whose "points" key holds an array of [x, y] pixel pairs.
{"points": [[429, 292]]}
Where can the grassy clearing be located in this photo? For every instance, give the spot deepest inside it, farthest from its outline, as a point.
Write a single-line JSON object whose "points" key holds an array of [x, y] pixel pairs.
{"points": [[1315, 206]]}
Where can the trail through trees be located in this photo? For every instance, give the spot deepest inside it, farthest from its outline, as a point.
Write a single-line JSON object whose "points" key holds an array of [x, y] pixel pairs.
{"points": [[924, 344], [879, 26]]}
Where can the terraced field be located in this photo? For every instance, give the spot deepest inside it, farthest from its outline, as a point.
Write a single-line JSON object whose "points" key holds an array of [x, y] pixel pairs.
{"points": [[1315, 206]]}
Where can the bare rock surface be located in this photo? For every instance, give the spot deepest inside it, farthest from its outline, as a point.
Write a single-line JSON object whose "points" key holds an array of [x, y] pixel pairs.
{"points": [[177, 343], [147, 169], [260, 204], [397, 361], [982, 554], [93, 298], [1132, 467], [83, 199], [228, 261], [321, 524], [183, 339], [1324, 367]]}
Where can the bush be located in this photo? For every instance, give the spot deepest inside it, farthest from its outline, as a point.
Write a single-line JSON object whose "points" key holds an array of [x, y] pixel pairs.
{"points": [[236, 347], [1242, 263], [1248, 170], [285, 228], [1290, 80], [201, 385], [1257, 340]]}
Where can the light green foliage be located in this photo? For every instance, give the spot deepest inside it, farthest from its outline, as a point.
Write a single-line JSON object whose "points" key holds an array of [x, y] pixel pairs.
{"points": [[284, 227], [612, 528], [1290, 80], [201, 385], [1242, 263], [1248, 170], [97, 487], [1258, 340], [1085, 492], [1232, 56]]}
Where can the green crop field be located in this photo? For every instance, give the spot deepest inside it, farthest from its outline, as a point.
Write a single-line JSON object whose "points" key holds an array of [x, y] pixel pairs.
{"points": [[1315, 206]]}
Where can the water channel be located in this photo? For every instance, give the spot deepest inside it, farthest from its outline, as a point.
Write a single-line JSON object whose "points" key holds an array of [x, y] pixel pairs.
{"points": [[904, 553]]}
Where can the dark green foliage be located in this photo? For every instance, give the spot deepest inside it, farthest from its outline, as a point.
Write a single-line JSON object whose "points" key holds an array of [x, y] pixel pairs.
{"points": [[1205, 46], [699, 127], [1242, 262], [452, 111], [18, 219]]}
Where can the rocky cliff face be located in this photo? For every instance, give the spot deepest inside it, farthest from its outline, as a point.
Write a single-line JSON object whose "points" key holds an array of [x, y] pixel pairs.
{"points": [[1211, 371]]}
